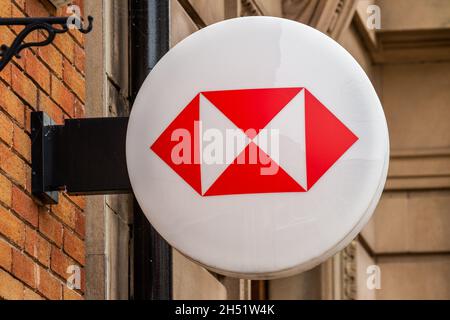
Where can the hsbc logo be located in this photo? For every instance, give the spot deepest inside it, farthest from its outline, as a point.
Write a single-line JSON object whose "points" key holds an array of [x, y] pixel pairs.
{"points": [[253, 141], [223, 146], [260, 143]]}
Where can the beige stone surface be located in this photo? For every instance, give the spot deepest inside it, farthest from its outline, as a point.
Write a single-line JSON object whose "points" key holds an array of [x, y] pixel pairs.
{"points": [[117, 37], [95, 277], [181, 24], [415, 277], [418, 183], [363, 261], [305, 286], [409, 232], [270, 7], [416, 101], [95, 107], [417, 14], [191, 281], [117, 248], [413, 222], [237, 289], [389, 219], [232, 285], [368, 233], [209, 11], [352, 42], [362, 9], [107, 217], [420, 166]]}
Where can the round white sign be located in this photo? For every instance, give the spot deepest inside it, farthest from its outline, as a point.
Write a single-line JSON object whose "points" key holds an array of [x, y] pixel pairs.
{"points": [[257, 147]]}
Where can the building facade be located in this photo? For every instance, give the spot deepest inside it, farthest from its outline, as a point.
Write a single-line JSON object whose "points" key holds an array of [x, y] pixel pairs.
{"points": [[40, 246], [403, 253]]}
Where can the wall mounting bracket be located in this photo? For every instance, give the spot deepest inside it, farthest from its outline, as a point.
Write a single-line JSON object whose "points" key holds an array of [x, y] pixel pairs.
{"points": [[47, 24], [82, 157]]}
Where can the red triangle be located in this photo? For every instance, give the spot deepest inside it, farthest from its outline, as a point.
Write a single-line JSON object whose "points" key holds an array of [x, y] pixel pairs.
{"points": [[163, 146], [327, 138], [251, 108], [244, 177]]}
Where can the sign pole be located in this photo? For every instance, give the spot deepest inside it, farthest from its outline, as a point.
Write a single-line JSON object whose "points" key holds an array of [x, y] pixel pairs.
{"points": [[149, 41]]}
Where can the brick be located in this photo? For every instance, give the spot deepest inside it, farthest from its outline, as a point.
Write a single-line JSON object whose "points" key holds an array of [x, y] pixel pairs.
{"points": [[22, 143], [31, 242], [5, 8], [10, 288], [37, 247], [48, 106], [60, 262], [11, 104], [29, 294], [5, 190], [66, 211], [6, 36], [65, 44], [69, 294], [12, 227], [74, 247], [74, 80], [77, 37], [16, 12], [28, 179], [6, 129], [37, 71], [80, 59], [5, 255], [80, 224], [27, 126], [79, 109], [48, 285], [52, 57], [35, 8], [12, 165], [20, 3], [50, 227], [6, 74], [24, 205], [63, 97], [24, 87], [24, 268], [80, 201]]}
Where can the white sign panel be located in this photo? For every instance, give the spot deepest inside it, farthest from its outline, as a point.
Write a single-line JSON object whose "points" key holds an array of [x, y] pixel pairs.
{"points": [[258, 147]]}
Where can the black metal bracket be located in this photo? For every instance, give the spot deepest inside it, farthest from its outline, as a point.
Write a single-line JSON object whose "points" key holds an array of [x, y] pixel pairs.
{"points": [[47, 24], [82, 157]]}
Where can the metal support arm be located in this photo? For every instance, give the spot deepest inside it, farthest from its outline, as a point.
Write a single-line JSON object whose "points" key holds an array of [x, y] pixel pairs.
{"points": [[46, 24], [82, 157]]}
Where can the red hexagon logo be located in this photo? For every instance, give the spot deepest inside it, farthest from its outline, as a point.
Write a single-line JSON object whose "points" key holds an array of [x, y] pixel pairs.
{"points": [[253, 141]]}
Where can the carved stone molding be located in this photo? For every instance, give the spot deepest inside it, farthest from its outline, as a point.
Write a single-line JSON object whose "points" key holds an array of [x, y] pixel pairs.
{"points": [[328, 16], [338, 275], [394, 46], [250, 8], [300, 10], [348, 256]]}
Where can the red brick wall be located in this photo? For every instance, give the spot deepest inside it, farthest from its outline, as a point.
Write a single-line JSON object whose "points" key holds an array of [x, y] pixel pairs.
{"points": [[37, 243]]}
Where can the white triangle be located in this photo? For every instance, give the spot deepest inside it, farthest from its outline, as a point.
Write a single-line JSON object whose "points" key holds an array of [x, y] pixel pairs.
{"points": [[214, 125], [291, 151]]}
